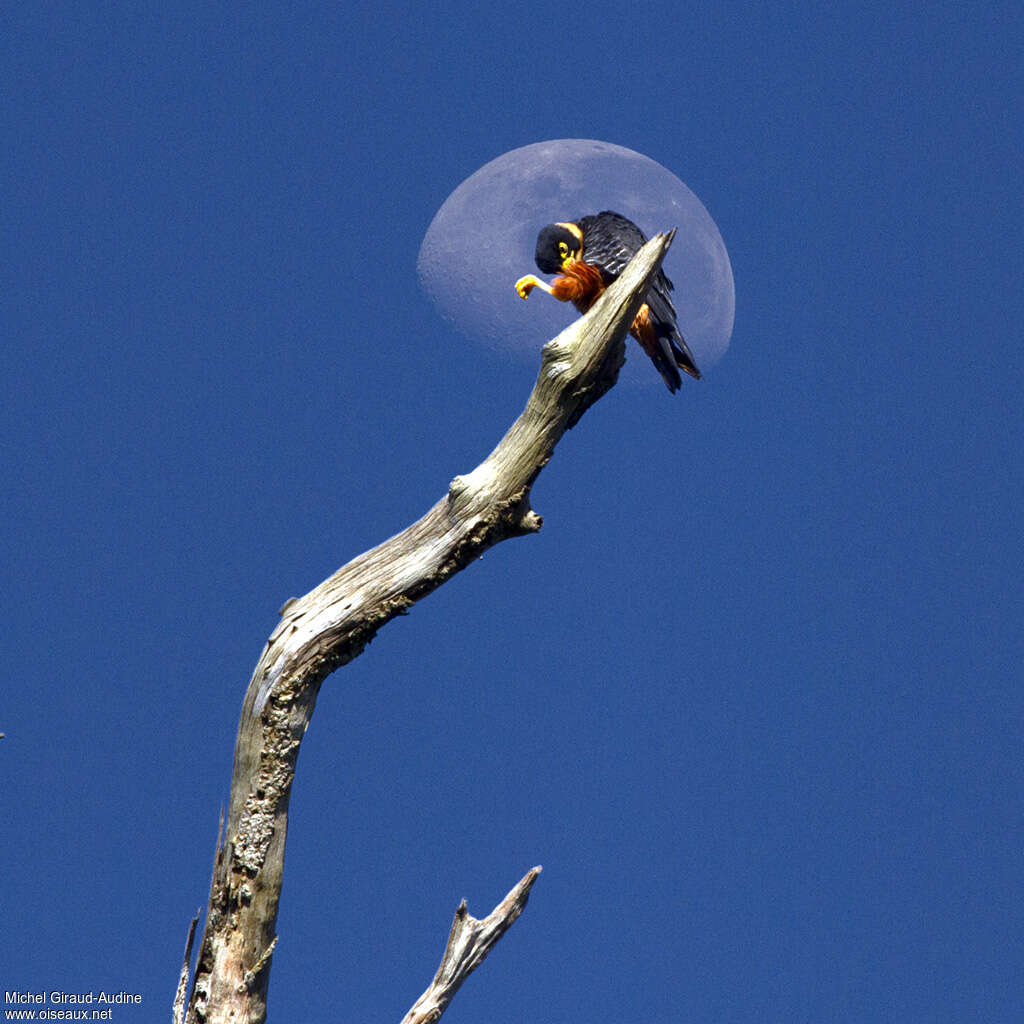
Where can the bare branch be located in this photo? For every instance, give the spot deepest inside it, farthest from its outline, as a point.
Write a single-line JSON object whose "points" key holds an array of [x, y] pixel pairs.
{"points": [[332, 624], [469, 943], [178, 1012]]}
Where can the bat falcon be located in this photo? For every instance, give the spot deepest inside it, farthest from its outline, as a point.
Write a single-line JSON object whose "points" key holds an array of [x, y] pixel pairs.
{"points": [[590, 253]]}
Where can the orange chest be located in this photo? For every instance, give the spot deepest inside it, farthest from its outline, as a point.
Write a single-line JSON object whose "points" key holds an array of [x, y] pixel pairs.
{"points": [[580, 283]]}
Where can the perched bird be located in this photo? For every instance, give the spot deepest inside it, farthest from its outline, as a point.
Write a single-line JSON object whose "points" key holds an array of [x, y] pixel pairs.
{"points": [[590, 253]]}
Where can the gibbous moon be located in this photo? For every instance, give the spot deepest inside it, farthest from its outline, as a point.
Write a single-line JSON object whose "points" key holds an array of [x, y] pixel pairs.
{"points": [[482, 241]]}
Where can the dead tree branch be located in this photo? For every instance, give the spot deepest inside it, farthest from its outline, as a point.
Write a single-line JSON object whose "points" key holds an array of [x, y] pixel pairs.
{"points": [[333, 623], [469, 943]]}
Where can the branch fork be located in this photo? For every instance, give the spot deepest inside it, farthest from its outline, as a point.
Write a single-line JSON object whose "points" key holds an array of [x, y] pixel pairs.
{"points": [[469, 942]]}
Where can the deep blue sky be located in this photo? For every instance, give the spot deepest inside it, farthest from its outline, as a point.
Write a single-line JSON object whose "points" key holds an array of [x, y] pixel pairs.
{"points": [[752, 697]]}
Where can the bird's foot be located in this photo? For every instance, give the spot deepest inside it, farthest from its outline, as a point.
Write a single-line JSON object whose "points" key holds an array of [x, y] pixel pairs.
{"points": [[525, 285]]}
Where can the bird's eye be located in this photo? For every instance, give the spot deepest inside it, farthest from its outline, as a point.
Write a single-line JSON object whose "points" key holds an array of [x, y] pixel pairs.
{"points": [[563, 250]]}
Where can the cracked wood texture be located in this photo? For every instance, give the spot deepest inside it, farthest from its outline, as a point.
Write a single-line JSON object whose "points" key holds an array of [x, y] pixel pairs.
{"points": [[333, 623]]}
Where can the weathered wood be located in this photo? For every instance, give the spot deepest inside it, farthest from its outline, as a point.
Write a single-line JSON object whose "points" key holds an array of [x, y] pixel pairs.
{"points": [[333, 623], [469, 942], [178, 1010]]}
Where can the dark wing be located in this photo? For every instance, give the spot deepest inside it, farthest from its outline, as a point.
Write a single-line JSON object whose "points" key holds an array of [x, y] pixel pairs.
{"points": [[610, 241]]}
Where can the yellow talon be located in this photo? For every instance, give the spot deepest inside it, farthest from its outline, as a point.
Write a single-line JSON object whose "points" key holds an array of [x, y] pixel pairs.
{"points": [[525, 285]]}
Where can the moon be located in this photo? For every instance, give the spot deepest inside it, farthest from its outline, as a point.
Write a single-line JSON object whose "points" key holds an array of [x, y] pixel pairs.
{"points": [[482, 240]]}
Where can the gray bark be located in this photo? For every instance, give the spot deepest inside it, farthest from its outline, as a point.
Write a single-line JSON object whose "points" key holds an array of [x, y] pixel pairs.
{"points": [[334, 622]]}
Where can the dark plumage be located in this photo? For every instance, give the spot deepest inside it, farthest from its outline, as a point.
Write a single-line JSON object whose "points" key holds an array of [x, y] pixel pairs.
{"points": [[590, 253]]}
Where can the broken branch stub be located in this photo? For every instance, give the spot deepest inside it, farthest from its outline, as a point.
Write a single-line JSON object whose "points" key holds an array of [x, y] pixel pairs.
{"points": [[469, 942]]}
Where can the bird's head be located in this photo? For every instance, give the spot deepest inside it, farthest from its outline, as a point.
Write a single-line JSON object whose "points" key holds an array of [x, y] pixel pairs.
{"points": [[557, 245]]}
